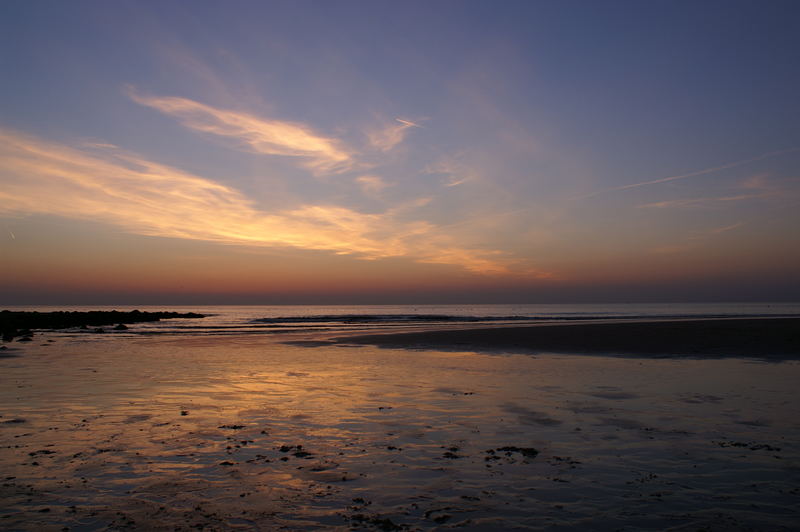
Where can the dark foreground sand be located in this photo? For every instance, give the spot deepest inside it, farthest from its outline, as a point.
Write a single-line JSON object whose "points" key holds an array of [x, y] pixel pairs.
{"points": [[772, 338]]}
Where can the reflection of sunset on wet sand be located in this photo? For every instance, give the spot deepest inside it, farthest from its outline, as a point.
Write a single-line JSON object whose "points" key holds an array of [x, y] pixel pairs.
{"points": [[172, 434]]}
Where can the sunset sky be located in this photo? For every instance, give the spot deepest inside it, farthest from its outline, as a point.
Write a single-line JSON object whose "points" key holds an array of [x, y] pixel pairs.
{"points": [[173, 152]]}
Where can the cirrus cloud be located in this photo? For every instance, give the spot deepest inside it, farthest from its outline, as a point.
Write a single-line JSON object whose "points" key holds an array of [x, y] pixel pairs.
{"points": [[386, 138], [260, 135], [147, 198]]}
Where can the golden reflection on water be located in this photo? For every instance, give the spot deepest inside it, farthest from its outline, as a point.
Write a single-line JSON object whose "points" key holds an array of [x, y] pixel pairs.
{"points": [[247, 432]]}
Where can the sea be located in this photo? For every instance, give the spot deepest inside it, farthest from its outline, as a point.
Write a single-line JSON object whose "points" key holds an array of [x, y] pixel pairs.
{"points": [[284, 319]]}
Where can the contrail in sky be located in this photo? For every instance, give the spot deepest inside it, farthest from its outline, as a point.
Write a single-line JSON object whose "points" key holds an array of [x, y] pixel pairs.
{"points": [[643, 183], [694, 174]]}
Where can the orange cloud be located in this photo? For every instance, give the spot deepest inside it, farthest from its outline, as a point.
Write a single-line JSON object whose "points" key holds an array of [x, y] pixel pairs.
{"points": [[268, 137], [148, 198]]}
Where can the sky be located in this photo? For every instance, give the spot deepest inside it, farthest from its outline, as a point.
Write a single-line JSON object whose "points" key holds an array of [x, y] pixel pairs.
{"points": [[247, 152]]}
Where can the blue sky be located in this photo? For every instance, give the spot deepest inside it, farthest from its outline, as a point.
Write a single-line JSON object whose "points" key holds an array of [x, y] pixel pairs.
{"points": [[367, 149]]}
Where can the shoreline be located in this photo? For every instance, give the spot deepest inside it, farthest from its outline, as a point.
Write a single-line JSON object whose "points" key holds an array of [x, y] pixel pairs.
{"points": [[768, 338], [23, 323]]}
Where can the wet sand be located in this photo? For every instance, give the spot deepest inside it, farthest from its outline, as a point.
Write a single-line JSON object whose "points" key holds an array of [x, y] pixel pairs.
{"points": [[119, 432], [771, 338]]}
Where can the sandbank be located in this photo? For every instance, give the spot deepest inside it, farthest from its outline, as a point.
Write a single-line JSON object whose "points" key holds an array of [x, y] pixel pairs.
{"points": [[770, 338]]}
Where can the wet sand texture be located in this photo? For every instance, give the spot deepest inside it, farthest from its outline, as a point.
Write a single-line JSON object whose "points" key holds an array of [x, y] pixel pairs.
{"points": [[777, 338], [165, 433]]}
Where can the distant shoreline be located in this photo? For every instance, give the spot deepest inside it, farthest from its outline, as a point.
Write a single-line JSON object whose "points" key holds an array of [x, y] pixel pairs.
{"points": [[21, 323], [767, 338]]}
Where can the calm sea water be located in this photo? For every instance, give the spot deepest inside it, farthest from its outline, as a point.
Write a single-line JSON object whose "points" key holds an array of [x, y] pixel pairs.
{"points": [[224, 319]]}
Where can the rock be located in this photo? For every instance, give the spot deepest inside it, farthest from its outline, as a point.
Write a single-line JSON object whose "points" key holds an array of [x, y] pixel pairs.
{"points": [[19, 323]]}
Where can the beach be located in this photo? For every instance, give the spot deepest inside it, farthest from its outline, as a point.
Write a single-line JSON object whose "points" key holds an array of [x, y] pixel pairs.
{"points": [[399, 266], [301, 431]]}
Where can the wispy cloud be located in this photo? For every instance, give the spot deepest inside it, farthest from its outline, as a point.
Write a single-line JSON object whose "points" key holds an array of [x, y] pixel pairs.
{"points": [[269, 137], [695, 239], [697, 173], [147, 198], [453, 168], [372, 185], [389, 136], [758, 186], [757, 182], [491, 263], [700, 202], [718, 230]]}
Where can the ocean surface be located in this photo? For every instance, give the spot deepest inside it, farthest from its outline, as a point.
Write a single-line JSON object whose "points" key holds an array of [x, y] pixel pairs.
{"points": [[282, 319]]}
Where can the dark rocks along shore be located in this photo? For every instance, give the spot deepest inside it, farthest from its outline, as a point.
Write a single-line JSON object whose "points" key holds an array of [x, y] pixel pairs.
{"points": [[22, 323]]}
